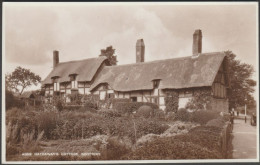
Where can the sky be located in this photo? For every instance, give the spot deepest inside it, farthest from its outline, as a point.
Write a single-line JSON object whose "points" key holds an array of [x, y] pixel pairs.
{"points": [[80, 30]]}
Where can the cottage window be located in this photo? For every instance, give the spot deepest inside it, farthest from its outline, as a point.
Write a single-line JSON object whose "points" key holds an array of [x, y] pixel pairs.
{"points": [[134, 99], [74, 83], [110, 95], [156, 83], [56, 84]]}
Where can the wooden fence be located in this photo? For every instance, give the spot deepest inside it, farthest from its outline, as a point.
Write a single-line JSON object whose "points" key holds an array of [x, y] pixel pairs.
{"points": [[226, 140]]}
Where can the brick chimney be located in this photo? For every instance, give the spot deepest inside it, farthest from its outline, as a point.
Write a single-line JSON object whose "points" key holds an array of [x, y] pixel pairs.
{"points": [[140, 48], [197, 42], [55, 58]]}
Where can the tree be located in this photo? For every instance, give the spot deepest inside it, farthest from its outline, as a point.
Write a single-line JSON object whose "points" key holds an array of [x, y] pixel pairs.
{"points": [[241, 84], [20, 79], [109, 53]]}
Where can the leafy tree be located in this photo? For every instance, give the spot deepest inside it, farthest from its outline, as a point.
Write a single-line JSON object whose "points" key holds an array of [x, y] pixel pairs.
{"points": [[109, 53], [241, 84], [20, 79]]}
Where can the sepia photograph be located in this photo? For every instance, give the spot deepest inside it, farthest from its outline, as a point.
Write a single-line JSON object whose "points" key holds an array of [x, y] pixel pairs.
{"points": [[130, 82]]}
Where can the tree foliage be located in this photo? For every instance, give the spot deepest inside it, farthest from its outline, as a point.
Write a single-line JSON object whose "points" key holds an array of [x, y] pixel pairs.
{"points": [[241, 85], [20, 79], [109, 53]]}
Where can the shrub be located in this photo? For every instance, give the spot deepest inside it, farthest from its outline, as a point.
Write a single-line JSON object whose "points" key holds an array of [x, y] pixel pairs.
{"points": [[46, 122], [59, 105], [183, 115], [170, 116], [130, 107], [201, 100], [170, 148], [115, 149], [12, 101], [145, 111], [203, 116], [109, 113], [145, 126], [172, 101], [201, 142], [9, 99], [11, 150], [219, 122], [159, 114], [90, 105]]}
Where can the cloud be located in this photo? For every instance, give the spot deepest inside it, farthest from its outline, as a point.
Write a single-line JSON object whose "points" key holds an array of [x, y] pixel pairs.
{"points": [[80, 31], [28, 34]]}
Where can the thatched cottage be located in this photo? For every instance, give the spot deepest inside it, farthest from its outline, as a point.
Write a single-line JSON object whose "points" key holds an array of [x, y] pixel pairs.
{"points": [[145, 81]]}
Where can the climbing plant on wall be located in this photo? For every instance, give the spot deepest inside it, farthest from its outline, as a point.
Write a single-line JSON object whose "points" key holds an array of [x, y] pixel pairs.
{"points": [[201, 100], [171, 101]]}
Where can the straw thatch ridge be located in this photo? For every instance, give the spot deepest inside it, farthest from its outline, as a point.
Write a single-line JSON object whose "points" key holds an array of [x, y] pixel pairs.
{"points": [[85, 69], [176, 73]]}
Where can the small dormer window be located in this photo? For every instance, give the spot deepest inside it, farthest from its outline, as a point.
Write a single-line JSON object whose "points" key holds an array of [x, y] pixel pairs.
{"points": [[74, 83], [56, 84], [156, 83]]}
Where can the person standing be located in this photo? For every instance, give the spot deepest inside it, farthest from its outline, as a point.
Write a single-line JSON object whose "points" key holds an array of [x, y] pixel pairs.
{"points": [[231, 119]]}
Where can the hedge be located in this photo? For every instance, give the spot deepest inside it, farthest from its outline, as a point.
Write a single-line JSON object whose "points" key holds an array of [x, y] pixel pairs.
{"points": [[200, 143], [130, 107]]}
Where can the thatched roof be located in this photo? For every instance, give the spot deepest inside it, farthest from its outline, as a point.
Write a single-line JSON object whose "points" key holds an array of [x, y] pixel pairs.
{"points": [[85, 69], [174, 73]]}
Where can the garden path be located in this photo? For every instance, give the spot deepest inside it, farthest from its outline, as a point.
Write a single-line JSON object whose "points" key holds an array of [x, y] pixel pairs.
{"points": [[244, 140]]}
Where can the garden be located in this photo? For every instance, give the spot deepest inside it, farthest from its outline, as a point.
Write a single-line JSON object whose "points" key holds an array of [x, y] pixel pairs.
{"points": [[128, 131]]}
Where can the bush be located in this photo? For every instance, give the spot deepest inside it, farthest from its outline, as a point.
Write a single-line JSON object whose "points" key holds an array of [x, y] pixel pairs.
{"points": [[46, 122], [183, 115], [145, 111], [59, 105], [199, 143], [203, 116], [169, 148], [172, 101], [219, 122], [12, 101], [109, 113], [130, 107], [90, 105], [159, 114], [115, 149]]}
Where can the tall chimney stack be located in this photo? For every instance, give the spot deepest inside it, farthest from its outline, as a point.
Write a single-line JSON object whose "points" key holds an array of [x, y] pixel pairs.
{"points": [[140, 48], [197, 42], [55, 58]]}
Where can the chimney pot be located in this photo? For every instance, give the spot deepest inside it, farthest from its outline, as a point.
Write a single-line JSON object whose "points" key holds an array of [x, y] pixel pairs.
{"points": [[140, 50], [197, 42], [55, 58]]}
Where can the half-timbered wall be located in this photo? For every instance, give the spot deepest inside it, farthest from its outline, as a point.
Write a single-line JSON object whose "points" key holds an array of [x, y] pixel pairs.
{"points": [[219, 86]]}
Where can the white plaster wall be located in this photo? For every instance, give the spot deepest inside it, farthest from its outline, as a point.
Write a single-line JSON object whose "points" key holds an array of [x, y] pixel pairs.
{"points": [[139, 99], [127, 95], [144, 99], [161, 101], [81, 90], [68, 91], [183, 101], [110, 91], [162, 107], [155, 92], [120, 95], [87, 91]]}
